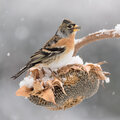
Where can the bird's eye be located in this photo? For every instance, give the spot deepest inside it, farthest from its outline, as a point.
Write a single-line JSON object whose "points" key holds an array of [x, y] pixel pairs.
{"points": [[70, 26]]}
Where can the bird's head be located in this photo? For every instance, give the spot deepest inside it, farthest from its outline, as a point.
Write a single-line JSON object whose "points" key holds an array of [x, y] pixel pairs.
{"points": [[67, 28]]}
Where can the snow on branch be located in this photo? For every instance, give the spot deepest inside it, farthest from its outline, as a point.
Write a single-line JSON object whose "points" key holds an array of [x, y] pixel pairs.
{"points": [[99, 35]]}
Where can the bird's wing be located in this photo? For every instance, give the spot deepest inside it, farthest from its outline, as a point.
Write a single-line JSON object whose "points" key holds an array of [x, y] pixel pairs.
{"points": [[46, 53], [49, 50], [49, 44]]}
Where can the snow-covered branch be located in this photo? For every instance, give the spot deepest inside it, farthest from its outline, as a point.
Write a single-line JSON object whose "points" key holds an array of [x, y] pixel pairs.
{"points": [[99, 35]]}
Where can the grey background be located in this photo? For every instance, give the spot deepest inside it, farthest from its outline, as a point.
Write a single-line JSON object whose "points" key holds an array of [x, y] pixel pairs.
{"points": [[25, 25]]}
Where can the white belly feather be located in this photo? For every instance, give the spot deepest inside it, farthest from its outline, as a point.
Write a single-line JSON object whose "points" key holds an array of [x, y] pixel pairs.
{"points": [[62, 61]]}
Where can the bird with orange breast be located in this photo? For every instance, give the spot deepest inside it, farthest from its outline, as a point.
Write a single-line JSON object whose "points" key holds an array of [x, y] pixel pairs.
{"points": [[57, 51]]}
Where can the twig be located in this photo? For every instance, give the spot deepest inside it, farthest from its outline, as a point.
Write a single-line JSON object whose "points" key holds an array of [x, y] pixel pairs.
{"points": [[100, 35]]}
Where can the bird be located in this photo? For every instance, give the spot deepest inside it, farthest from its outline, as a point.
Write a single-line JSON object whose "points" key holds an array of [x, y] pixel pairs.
{"points": [[57, 51]]}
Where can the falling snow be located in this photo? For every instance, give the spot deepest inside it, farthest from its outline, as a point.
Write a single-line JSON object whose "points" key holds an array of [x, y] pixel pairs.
{"points": [[8, 54], [113, 93], [107, 80]]}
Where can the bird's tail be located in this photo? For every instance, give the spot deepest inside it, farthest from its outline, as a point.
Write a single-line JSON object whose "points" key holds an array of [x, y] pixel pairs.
{"points": [[20, 72]]}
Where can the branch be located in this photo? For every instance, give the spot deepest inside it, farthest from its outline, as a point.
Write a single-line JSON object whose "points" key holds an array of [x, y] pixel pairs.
{"points": [[100, 35]]}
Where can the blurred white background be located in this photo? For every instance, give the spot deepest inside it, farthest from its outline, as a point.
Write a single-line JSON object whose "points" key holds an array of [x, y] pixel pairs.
{"points": [[25, 25]]}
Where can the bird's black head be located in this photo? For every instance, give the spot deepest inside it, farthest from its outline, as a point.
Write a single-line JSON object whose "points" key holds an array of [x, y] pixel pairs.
{"points": [[67, 27]]}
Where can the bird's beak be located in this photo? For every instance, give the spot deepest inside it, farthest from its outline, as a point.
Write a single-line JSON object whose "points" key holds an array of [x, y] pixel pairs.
{"points": [[76, 28]]}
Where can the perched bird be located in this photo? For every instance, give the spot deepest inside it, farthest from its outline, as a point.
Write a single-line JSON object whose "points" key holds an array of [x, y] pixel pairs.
{"points": [[57, 51]]}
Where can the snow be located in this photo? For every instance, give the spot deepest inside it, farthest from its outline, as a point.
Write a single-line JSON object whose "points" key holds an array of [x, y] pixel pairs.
{"points": [[27, 81], [117, 29], [72, 60], [103, 31], [75, 60], [113, 93], [8, 54], [107, 80]]}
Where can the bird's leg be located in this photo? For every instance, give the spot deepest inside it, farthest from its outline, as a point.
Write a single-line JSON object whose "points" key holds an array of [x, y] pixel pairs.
{"points": [[43, 71], [53, 73]]}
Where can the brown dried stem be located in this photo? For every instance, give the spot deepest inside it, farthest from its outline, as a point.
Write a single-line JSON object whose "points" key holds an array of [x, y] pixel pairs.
{"points": [[100, 35]]}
